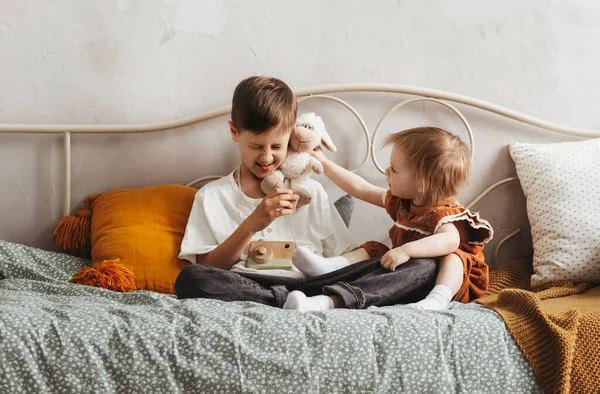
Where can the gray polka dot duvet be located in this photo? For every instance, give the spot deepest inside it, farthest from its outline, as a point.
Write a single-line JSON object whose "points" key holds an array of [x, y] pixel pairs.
{"points": [[57, 337]]}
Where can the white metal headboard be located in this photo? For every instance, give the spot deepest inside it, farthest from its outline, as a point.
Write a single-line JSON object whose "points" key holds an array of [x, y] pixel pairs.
{"points": [[322, 93]]}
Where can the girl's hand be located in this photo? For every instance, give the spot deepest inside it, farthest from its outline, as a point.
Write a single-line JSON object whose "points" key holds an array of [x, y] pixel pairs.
{"points": [[394, 258], [280, 202], [318, 154]]}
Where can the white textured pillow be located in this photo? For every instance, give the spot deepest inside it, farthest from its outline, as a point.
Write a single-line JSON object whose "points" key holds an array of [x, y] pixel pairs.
{"points": [[562, 184]]}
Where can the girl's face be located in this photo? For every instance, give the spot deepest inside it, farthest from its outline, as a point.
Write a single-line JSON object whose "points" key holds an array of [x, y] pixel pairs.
{"points": [[400, 176]]}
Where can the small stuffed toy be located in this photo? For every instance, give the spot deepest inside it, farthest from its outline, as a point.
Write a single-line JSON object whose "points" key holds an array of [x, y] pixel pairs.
{"points": [[308, 132]]}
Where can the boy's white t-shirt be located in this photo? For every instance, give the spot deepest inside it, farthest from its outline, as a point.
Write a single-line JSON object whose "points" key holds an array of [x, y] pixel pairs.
{"points": [[220, 207]]}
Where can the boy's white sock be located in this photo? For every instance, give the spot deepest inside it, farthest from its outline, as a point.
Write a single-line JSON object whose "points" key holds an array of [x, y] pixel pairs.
{"points": [[299, 301], [313, 265], [437, 300]]}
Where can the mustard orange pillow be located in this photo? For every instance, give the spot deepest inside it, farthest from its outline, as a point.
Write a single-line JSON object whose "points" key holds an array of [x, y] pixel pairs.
{"points": [[134, 237]]}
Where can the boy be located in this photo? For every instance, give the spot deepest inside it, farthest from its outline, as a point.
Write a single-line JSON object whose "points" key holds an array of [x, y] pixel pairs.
{"points": [[230, 213]]}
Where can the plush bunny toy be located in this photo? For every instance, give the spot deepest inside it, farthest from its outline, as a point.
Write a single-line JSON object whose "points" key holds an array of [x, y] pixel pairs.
{"points": [[308, 132]]}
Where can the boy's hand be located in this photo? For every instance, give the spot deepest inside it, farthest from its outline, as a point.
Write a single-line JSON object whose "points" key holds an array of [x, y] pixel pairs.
{"points": [[318, 154], [394, 258], [280, 202]]}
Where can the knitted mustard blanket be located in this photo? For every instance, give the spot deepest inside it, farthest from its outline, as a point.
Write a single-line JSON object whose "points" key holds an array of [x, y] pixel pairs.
{"points": [[557, 328]]}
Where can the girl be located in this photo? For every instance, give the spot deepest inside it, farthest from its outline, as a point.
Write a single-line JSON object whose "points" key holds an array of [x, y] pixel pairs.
{"points": [[427, 167]]}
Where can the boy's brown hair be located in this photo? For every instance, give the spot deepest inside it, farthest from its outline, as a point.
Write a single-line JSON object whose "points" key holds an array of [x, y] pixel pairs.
{"points": [[261, 103], [441, 161]]}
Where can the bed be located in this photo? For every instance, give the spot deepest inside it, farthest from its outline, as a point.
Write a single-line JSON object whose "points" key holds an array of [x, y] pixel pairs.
{"points": [[57, 336]]}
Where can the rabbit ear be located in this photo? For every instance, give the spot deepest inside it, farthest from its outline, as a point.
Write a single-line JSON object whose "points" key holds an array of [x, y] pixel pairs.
{"points": [[326, 141]]}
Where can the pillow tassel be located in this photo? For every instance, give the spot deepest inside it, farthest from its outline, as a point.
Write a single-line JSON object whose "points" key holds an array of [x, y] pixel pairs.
{"points": [[109, 274], [73, 233]]}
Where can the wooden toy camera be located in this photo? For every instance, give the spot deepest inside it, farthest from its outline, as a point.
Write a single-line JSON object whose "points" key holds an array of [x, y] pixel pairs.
{"points": [[270, 255]]}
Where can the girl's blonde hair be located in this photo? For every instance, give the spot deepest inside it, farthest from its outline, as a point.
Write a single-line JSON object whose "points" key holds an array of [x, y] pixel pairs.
{"points": [[440, 160]]}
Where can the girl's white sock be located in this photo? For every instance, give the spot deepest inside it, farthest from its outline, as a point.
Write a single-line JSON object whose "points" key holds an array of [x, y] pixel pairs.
{"points": [[312, 264], [437, 300], [299, 301]]}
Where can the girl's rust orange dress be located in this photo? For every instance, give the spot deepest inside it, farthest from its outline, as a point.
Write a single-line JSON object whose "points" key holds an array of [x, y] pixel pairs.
{"points": [[413, 223]]}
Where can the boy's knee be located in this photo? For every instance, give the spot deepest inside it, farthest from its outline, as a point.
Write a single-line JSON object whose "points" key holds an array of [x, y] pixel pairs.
{"points": [[425, 268], [191, 281]]}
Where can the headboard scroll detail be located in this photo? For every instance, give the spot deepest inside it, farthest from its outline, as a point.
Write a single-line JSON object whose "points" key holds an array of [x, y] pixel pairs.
{"points": [[413, 100]]}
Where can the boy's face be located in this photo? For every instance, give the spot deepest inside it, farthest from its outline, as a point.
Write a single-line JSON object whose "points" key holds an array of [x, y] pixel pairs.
{"points": [[261, 153]]}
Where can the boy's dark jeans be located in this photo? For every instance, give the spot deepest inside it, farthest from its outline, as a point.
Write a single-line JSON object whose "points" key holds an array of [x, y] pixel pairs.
{"points": [[359, 285]]}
